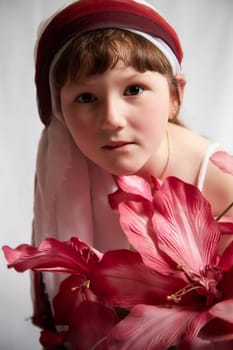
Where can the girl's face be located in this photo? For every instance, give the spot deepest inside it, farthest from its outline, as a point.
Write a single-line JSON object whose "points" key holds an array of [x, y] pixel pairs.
{"points": [[118, 119]]}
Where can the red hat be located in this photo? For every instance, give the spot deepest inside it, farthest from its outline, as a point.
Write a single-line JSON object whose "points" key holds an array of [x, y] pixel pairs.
{"points": [[86, 15]]}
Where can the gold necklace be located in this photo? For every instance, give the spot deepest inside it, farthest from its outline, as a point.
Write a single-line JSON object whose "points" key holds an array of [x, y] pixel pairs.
{"points": [[168, 156]]}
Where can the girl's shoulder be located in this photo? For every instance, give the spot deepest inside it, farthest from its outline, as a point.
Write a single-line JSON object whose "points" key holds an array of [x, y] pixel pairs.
{"points": [[191, 163], [188, 150]]}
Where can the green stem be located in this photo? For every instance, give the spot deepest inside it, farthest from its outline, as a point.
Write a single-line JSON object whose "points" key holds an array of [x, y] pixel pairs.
{"points": [[225, 211]]}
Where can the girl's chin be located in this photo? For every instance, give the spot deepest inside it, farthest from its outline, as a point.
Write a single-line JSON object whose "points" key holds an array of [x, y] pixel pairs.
{"points": [[124, 171], [123, 166]]}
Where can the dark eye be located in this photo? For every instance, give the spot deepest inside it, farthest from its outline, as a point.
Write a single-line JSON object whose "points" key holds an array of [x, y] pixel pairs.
{"points": [[86, 97], [134, 90]]}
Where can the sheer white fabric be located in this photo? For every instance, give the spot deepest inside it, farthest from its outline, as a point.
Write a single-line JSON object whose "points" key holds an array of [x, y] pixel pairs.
{"points": [[71, 198]]}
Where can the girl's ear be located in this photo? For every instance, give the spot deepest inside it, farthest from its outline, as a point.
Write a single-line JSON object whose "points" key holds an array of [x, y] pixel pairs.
{"points": [[177, 94], [180, 85]]}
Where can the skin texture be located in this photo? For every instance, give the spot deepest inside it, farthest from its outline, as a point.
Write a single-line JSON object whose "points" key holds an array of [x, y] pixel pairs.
{"points": [[119, 120]]}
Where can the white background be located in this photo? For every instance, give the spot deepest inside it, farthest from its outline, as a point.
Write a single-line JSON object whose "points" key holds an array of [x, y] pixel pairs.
{"points": [[205, 28]]}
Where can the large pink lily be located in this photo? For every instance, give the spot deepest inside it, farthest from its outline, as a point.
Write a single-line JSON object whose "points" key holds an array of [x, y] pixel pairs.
{"points": [[175, 224]]}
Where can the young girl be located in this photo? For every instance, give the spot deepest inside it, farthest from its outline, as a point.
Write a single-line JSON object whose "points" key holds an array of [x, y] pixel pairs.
{"points": [[109, 88]]}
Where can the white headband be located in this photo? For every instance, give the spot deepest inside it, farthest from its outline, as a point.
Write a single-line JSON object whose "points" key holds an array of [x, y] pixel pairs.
{"points": [[163, 47]]}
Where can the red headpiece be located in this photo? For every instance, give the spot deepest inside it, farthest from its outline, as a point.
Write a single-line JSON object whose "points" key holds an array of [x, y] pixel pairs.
{"points": [[87, 15]]}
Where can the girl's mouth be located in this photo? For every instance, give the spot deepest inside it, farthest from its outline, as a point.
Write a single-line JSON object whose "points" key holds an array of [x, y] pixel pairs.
{"points": [[117, 145]]}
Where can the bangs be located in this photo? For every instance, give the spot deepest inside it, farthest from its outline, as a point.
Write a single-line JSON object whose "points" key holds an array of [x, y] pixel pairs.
{"points": [[95, 52]]}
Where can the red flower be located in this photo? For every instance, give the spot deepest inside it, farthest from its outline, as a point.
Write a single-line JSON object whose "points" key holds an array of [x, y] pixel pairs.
{"points": [[173, 289], [178, 238], [74, 256], [88, 327], [86, 319]]}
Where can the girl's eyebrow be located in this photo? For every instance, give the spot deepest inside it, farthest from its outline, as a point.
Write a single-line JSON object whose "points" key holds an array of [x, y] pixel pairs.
{"points": [[94, 79]]}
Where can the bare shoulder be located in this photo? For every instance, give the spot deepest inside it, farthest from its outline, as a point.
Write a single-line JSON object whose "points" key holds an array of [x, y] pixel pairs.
{"points": [[190, 149], [192, 140]]}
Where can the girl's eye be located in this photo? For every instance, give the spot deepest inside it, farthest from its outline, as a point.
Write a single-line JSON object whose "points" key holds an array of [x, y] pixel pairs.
{"points": [[134, 90], [86, 97]]}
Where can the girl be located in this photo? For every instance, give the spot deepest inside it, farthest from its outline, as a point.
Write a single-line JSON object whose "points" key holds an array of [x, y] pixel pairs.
{"points": [[109, 88]]}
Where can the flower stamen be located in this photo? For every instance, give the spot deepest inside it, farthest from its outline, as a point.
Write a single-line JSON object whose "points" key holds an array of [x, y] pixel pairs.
{"points": [[176, 297], [205, 283], [191, 275], [85, 284]]}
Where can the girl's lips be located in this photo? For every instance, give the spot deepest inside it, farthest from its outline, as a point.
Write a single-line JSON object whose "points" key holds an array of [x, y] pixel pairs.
{"points": [[117, 145]]}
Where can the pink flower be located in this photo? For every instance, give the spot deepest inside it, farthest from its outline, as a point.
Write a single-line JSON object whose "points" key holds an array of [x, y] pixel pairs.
{"points": [[172, 289], [177, 238], [88, 327], [123, 280], [76, 307], [74, 256]]}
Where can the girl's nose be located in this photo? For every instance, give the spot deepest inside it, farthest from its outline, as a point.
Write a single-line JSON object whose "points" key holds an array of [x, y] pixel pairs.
{"points": [[112, 114]]}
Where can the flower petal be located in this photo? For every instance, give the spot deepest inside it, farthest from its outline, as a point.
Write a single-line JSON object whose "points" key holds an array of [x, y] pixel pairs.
{"points": [[151, 327], [123, 280], [223, 161], [218, 331], [184, 225], [196, 323], [135, 185], [226, 225], [73, 256], [134, 202], [136, 222], [130, 188], [223, 310], [73, 291], [226, 260], [51, 339], [225, 285], [90, 325]]}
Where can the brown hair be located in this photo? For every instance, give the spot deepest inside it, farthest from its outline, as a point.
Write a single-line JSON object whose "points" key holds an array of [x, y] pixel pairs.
{"points": [[94, 52]]}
